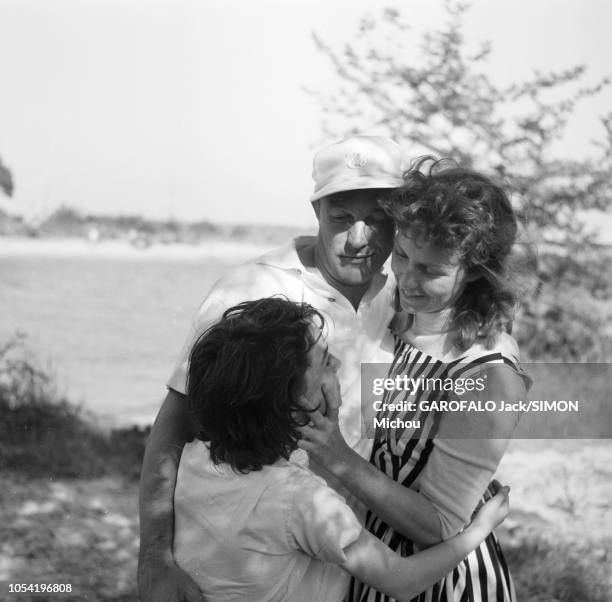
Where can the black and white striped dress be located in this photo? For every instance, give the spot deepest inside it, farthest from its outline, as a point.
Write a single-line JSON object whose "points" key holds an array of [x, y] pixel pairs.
{"points": [[403, 455]]}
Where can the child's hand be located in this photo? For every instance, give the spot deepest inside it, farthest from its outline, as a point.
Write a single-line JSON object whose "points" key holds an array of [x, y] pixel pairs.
{"points": [[493, 512]]}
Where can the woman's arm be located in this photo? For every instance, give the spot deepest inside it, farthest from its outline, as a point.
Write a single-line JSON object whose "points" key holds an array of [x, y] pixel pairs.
{"points": [[159, 578], [468, 449], [456, 474], [374, 563], [404, 509]]}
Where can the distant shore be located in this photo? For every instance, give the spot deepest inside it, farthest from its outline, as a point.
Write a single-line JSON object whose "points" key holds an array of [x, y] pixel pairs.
{"points": [[77, 247]]}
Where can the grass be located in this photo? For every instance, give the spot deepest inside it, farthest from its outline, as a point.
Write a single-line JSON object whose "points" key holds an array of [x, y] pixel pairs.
{"points": [[547, 569]]}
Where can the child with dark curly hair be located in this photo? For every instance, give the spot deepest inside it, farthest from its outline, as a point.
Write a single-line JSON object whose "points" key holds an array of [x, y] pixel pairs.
{"points": [[252, 521]]}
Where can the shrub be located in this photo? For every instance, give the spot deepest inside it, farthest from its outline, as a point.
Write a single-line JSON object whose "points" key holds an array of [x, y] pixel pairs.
{"points": [[43, 434]]}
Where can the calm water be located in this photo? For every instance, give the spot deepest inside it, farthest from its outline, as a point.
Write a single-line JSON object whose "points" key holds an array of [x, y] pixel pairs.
{"points": [[108, 328]]}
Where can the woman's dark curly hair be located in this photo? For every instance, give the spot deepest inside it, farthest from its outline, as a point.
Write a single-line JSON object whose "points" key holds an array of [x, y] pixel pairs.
{"points": [[245, 375], [463, 211]]}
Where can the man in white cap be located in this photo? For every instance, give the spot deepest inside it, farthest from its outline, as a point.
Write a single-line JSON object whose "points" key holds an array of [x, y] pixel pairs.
{"points": [[340, 272]]}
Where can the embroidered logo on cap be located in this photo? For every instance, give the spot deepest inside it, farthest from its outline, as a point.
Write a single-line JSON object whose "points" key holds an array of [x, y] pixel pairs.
{"points": [[355, 160]]}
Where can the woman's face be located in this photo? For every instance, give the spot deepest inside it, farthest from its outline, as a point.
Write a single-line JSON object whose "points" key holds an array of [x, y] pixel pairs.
{"points": [[429, 278]]}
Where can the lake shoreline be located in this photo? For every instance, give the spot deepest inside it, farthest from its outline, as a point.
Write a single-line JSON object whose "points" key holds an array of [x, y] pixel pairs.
{"points": [[121, 249]]}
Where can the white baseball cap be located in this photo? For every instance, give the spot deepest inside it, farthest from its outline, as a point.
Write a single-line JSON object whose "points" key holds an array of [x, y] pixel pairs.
{"points": [[357, 163]]}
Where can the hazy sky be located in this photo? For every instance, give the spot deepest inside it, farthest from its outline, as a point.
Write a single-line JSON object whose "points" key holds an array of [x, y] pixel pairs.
{"points": [[195, 109]]}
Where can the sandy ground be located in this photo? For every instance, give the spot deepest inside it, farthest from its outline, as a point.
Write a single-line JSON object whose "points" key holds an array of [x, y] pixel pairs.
{"points": [[86, 533], [83, 533], [563, 485], [558, 536]]}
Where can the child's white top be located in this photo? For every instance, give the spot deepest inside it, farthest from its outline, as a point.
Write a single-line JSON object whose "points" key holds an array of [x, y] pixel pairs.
{"points": [[271, 534]]}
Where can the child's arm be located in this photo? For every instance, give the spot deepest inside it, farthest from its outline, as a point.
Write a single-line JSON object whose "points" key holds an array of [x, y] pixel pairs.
{"points": [[371, 561]]}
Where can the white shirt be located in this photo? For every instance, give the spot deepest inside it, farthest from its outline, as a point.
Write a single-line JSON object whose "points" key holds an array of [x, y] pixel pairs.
{"points": [[272, 534], [353, 336]]}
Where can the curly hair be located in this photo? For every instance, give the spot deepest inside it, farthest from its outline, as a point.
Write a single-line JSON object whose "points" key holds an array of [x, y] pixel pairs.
{"points": [[245, 373], [462, 211]]}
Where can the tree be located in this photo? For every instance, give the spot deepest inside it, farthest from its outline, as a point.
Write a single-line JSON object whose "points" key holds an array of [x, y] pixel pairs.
{"points": [[441, 101], [6, 180]]}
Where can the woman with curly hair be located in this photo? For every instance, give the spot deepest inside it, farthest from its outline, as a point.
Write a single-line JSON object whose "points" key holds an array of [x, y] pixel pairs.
{"points": [[457, 288]]}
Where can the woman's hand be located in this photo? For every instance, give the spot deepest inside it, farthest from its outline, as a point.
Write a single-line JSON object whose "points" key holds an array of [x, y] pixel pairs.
{"points": [[322, 438], [493, 512]]}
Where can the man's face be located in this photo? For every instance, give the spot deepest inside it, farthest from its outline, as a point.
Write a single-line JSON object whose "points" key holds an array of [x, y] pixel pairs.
{"points": [[355, 237]]}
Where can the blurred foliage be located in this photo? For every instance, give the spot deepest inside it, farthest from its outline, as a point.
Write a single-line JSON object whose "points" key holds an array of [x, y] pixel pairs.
{"points": [[6, 180], [65, 220], [439, 99], [43, 434]]}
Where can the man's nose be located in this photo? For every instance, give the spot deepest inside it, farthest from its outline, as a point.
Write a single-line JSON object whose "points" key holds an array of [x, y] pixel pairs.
{"points": [[359, 235]]}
